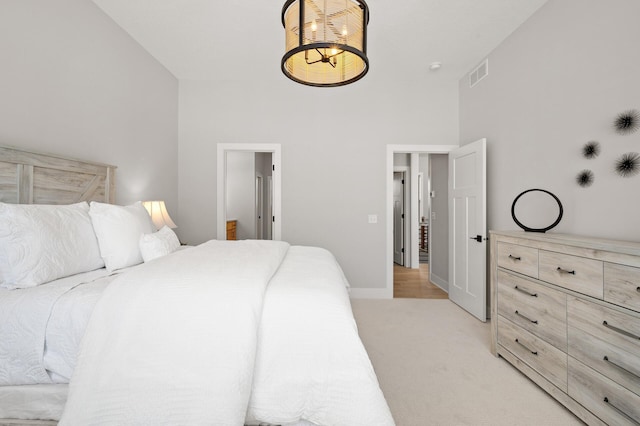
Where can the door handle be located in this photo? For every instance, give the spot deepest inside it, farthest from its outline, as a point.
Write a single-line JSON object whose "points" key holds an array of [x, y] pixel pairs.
{"points": [[478, 238]]}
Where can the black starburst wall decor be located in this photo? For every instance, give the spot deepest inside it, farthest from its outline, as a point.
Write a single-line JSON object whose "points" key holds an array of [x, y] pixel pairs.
{"points": [[627, 122], [628, 164], [591, 149], [585, 178]]}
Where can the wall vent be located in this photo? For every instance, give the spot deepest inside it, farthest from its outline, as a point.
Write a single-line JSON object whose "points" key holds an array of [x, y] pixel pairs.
{"points": [[478, 73]]}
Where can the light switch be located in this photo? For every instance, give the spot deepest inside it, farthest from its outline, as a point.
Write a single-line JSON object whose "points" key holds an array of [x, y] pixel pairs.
{"points": [[373, 218]]}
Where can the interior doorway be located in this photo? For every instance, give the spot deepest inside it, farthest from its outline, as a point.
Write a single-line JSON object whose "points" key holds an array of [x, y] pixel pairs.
{"points": [[244, 192], [417, 212], [412, 212], [234, 202]]}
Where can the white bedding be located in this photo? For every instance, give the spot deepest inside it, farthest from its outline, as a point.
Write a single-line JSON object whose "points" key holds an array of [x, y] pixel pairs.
{"points": [[175, 339], [24, 317], [66, 326], [310, 364]]}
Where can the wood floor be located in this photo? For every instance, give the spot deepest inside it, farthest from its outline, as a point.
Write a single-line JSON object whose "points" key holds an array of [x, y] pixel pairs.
{"points": [[415, 284]]}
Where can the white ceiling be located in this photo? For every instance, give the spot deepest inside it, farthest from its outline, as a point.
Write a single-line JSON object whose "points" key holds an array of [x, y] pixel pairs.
{"points": [[235, 39]]}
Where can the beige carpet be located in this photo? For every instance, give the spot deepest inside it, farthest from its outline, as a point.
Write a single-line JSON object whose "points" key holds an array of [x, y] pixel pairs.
{"points": [[434, 366]]}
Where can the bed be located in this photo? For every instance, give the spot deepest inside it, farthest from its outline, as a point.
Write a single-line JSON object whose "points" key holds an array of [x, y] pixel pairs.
{"points": [[224, 333]]}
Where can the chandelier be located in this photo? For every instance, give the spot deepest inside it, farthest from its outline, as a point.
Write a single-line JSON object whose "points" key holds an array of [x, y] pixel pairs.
{"points": [[326, 41]]}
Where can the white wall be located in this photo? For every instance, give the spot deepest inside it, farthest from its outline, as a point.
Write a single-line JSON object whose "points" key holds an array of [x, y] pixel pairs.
{"points": [[73, 83], [556, 83], [333, 153], [402, 159], [424, 169], [241, 182], [439, 267]]}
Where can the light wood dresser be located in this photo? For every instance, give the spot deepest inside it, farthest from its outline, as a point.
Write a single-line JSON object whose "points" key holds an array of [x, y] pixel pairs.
{"points": [[566, 312], [231, 229]]}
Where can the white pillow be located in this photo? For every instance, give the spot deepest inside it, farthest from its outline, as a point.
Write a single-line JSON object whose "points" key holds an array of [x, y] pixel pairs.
{"points": [[119, 229], [158, 244], [41, 243]]}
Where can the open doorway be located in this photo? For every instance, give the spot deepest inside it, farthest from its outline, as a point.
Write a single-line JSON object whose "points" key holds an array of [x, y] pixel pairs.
{"points": [[249, 192], [424, 272], [416, 185], [245, 208]]}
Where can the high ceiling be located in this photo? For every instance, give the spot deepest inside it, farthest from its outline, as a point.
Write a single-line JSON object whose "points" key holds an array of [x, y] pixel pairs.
{"points": [[234, 39]]}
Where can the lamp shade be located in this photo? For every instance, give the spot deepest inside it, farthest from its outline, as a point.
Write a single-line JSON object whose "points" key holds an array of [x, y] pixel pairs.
{"points": [[326, 41], [159, 215]]}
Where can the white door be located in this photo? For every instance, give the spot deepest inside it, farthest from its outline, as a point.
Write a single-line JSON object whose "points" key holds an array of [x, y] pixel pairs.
{"points": [[269, 207], [259, 208], [468, 228], [398, 218]]}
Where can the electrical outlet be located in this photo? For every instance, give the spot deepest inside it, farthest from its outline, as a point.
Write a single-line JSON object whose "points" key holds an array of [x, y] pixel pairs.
{"points": [[433, 215], [373, 218]]}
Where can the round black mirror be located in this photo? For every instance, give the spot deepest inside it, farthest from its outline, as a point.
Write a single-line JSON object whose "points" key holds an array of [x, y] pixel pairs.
{"points": [[535, 209]]}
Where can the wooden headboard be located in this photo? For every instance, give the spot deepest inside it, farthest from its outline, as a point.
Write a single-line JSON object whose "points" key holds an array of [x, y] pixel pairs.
{"points": [[32, 178]]}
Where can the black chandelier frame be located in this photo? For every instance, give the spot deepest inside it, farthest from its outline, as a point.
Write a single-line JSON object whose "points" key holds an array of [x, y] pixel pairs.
{"points": [[362, 54]]}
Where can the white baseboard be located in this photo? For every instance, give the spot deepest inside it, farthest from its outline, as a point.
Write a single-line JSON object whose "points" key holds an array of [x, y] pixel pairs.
{"points": [[443, 284], [371, 293]]}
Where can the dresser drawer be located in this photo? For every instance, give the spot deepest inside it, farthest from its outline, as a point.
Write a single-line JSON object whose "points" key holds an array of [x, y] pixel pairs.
{"points": [[518, 258], [617, 328], [543, 357], [572, 272], [618, 365], [622, 285], [611, 402], [536, 308]]}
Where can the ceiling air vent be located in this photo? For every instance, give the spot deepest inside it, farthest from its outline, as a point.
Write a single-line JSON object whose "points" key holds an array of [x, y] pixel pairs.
{"points": [[478, 73]]}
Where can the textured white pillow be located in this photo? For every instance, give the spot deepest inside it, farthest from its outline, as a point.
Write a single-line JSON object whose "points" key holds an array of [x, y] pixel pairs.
{"points": [[41, 243], [119, 229], [158, 244]]}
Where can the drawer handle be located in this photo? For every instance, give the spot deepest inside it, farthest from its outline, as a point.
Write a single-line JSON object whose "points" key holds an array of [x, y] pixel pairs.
{"points": [[515, 257], [533, 352], [612, 405], [564, 271], [526, 292], [606, 358], [621, 331], [527, 318]]}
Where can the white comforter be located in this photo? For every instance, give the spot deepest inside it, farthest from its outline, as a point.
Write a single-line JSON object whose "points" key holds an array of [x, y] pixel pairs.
{"points": [[311, 363], [174, 342]]}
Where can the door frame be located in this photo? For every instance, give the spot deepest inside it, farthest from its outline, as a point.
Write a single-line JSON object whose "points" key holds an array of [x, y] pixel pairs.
{"points": [[387, 292], [275, 150]]}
